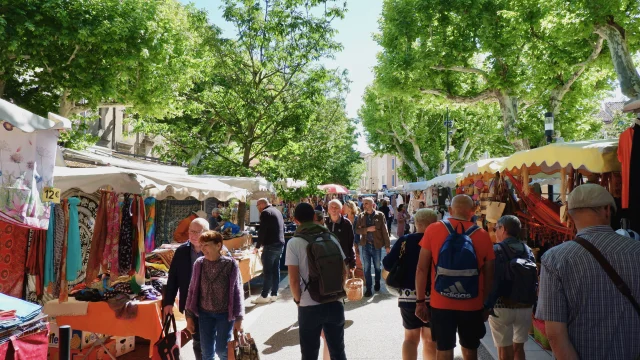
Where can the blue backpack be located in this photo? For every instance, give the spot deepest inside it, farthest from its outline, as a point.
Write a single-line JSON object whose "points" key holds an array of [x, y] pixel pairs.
{"points": [[457, 274]]}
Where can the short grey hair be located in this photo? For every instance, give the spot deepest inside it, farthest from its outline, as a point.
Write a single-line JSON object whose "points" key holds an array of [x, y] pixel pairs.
{"points": [[425, 217], [335, 201], [202, 222], [368, 198], [263, 200], [511, 225]]}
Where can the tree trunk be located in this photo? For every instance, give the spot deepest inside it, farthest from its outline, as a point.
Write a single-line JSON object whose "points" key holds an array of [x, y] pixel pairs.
{"points": [[242, 212], [509, 110], [405, 159], [621, 57], [2, 85], [66, 104]]}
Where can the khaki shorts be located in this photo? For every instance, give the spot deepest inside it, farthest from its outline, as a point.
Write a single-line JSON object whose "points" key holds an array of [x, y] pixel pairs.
{"points": [[510, 326]]}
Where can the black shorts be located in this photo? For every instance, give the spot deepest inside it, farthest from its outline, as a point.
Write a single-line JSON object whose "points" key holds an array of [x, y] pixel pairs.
{"points": [[409, 319], [468, 324]]}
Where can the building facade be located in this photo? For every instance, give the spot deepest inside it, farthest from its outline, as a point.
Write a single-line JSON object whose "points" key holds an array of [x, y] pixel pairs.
{"points": [[381, 172]]}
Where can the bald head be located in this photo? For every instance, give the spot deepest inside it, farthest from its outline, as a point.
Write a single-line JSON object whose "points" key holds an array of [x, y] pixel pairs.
{"points": [[262, 204], [462, 207]]}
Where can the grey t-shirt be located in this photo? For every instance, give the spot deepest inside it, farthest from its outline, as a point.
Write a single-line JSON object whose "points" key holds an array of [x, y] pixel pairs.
{"points": [[297, 255]]}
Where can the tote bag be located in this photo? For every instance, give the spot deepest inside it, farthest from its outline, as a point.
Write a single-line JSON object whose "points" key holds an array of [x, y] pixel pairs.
{"points": [[169, 344]]}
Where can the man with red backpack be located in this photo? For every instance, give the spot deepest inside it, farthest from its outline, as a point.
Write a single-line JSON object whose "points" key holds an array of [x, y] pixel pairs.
{"points": [[514, 290], [461, 277]]}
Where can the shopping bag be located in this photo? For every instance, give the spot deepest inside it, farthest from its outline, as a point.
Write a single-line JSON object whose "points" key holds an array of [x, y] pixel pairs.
{"points": [[168, 346], [242, 347], [494, 211]]}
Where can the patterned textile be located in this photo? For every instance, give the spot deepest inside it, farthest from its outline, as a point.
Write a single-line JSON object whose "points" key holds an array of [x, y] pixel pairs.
{"points": [[87, 211], [13, 256], [138, 239], [35, 260], [162, 256], [26, 165], [169, 213], [74, 251], [58, 243], [110, 256], [49, 273], [98, 240], [64, 286], [126, 237], [150, 224]]}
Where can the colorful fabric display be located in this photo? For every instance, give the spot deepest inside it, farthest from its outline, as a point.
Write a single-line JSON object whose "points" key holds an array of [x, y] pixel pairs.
{"points": [[150, 224], [98, 239], [110, 255], [13, 256]]}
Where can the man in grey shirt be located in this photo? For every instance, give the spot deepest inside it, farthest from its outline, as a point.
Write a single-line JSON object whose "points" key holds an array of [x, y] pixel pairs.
{"points": [[313, 317], [586, 317]]}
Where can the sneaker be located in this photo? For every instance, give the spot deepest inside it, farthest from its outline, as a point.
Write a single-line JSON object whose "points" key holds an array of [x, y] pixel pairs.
{"points": [[261, 300], [273, 298], [368, 293], [376, 287]]}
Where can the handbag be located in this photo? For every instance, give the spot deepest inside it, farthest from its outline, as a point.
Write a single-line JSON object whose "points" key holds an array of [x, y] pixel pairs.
{"points": [[242, 347], [494, 211], [168, 346], [397, 274]]}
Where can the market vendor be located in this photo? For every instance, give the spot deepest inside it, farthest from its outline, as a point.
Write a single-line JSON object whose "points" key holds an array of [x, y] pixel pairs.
{"points": [[215, 222], [180, 276]]}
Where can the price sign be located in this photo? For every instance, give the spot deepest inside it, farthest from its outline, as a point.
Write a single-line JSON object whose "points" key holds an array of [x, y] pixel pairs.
{"points": [[50, 194]]}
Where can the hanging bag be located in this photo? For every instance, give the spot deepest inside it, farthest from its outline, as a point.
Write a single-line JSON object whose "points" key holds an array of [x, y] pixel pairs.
{"points": [[168, 346], [494, 211], [242, 347], [397, 274]]}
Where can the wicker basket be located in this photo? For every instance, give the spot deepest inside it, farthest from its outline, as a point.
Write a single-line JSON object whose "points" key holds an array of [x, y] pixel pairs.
{"points": [[355, 289]]}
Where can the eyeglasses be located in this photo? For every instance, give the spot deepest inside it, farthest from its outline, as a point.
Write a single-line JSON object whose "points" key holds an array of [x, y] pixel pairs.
{"points": [[196, 232]]}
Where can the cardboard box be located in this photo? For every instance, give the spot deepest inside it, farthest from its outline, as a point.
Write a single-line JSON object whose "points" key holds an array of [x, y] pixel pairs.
{"points": [[81, 340], [124, 345], [54, 353], [54, 334]]}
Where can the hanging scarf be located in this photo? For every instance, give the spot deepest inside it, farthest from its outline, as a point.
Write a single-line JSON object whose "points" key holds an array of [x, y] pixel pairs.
{"points": [[74, 250], [150, 224], [35, 262], [139, 238], [98, 240], [64, 287], [110, 254], [58, 242], [125, 244], [49, 272]]}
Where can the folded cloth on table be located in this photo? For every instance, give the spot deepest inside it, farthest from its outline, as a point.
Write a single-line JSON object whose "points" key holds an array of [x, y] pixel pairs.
{"points": [[72, 307], [124, 307], [24, 310], [160, 267], [163, 256]]}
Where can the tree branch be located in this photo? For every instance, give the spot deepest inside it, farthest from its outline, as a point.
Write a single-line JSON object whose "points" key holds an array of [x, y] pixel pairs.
{"points": [[487, 95], [73, 55]]}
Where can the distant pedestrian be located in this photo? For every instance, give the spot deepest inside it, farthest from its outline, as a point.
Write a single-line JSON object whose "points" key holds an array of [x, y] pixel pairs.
{"points": [[372, 226], [320, 206], [586, 315], [316, 313], [342, 228], [454, 247], [407, 252], [402, 216], [386, 210], [271, 236], [514, 290]]}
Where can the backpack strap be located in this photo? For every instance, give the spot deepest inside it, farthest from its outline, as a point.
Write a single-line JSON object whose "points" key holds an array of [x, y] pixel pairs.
{"points": [[447, 224], [611, 272], [471, 230]]}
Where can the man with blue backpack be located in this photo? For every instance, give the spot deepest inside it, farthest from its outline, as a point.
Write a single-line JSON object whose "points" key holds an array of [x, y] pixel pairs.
{"points": [[514, 290], [460, 257]]}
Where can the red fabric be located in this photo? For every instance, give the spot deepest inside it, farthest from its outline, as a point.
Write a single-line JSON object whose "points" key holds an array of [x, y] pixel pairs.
{"points": [[98, 240], [30, 347], [13, 257], [624, 156], [181, 234], [541, 209], [35, 259]]}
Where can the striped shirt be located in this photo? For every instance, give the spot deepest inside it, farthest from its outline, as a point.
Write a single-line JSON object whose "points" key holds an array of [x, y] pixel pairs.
{"points": [[601, 322]]}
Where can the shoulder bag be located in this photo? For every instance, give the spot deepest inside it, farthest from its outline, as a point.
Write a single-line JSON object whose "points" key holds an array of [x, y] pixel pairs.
{"points": [[397, 274]]}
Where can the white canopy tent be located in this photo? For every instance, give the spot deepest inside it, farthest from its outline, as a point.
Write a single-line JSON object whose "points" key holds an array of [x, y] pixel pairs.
{"points": [[156, 185], [256, 186], [30, 122], [447, 180]]}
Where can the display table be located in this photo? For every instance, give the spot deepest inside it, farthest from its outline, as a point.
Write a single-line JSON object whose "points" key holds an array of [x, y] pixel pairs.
{"points": [[250, 268], [100, 319]]}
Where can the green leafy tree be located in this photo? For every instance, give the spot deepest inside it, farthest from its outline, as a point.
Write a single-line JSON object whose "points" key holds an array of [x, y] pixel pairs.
{"points": [[134, 52]]}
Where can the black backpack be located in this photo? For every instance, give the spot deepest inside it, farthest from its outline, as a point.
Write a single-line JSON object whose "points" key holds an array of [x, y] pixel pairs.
{"points": [[326, 268], [521, 275]]}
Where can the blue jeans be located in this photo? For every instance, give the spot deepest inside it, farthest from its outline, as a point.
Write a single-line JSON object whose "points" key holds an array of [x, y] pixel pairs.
{"points": [[368, 255], [271, 269], [313, 320], [215, 332]]}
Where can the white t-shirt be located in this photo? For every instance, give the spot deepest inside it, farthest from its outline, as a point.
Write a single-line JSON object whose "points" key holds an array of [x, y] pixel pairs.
{"points": [[297, 255]]}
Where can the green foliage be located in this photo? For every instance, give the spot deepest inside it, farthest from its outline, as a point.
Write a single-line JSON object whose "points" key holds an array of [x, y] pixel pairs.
{"points": [[79, 137]]}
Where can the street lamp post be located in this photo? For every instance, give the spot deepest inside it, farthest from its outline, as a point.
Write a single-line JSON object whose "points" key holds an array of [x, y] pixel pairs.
{"points": [[449, 124], [549, 126]]}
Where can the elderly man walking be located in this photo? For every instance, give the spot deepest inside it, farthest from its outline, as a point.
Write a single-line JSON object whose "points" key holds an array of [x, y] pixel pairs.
{"points": [[372, 226], [271, 236], [180, 277], [586, 314]]}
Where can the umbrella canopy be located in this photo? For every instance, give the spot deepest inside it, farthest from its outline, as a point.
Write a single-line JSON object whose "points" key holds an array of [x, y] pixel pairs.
{"points": [[334, 189], [30, 122]]}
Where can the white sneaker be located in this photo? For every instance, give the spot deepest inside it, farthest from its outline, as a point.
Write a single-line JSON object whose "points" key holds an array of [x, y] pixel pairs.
{"points": [[261, 300], [274, 298]]}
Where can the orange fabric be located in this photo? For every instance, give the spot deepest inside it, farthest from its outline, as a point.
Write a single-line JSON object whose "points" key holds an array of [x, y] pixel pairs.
{"points": [[181, 234], [433, 239], [100, 319], [624, 156]]}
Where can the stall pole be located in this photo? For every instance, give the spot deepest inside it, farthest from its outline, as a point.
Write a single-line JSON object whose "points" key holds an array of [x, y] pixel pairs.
{"points": [[65, 342], [525, 180], [563, 185]]}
